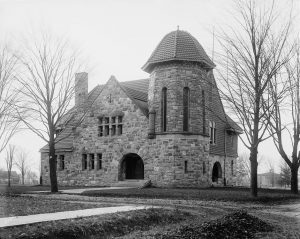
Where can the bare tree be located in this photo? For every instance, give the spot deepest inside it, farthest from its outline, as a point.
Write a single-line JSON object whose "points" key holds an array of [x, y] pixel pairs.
{"points": [[244, 167], [285, 174], [10, 159], [47, 87], [8, 97], [284, 116], [253, 55], [32, 176], [22, 164]]}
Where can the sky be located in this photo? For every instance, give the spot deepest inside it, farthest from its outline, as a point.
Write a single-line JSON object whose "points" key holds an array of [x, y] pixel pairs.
{"points": [[116, 37]]}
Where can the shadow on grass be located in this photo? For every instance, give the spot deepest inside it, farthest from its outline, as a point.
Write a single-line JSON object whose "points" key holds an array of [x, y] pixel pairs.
{"points": [[207, 194]]}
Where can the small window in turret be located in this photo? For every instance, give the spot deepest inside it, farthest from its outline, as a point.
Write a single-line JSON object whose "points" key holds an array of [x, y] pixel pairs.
{"points": [[185, 166]]}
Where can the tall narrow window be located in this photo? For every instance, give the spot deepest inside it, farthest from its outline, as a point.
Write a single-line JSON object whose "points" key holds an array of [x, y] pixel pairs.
{"points": [[120, 129], [212, 132], [204, 113], [100, 131], [232, 167], [61, 162], [185, 166], [164, 109], [84, 162], [204, 168], [186, 99], [99, 163], [92, 161]]}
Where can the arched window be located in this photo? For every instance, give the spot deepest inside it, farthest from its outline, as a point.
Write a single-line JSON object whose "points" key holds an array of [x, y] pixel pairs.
{"points": [[186, 99], [164, 109]]}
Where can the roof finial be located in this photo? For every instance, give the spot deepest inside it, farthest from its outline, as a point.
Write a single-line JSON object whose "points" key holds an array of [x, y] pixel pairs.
{"points": [[177, 27]]}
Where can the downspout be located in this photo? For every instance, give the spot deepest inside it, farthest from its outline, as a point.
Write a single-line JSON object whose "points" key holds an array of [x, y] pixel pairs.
{"points": [[224, 181]]}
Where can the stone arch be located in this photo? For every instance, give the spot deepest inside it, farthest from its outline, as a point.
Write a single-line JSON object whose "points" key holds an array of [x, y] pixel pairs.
{"points": [[131, 167], [216, 172]]}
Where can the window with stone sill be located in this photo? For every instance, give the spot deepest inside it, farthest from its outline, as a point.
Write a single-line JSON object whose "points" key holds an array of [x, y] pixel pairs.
{"points": [[110, 126], [99, 161], [61, 162], [100, 131], [84, 161], [113, 130], [92, 161]]}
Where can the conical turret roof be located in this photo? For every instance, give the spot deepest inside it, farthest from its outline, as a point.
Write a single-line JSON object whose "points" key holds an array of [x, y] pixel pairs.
{"points": [[178, 46]]}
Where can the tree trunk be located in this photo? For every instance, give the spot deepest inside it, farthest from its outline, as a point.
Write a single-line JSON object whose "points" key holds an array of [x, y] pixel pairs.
{"points": [[52, 166], [8, 179], [253, 162], [294, 179], [23, 179]]}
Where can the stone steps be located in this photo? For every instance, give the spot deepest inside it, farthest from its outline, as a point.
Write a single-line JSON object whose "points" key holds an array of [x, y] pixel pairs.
{"points": [[133, 183]]}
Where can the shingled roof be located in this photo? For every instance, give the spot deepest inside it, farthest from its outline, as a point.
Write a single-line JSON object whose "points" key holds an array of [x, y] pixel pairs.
{"points": [[178, 46], [233, 126], [65, 138]]}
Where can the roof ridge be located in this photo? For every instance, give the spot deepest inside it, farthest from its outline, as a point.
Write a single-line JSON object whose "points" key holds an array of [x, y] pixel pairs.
{"points": [[175, 43]]}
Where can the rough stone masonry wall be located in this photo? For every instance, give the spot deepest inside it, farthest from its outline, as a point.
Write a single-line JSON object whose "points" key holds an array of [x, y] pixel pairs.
{"points": [[63, 176], [175, 77], [167, 155], [230, 171]]}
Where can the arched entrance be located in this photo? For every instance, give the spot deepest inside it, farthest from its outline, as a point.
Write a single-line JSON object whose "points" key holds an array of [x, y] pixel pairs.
{"points": [[132, 167], [216, 172]]}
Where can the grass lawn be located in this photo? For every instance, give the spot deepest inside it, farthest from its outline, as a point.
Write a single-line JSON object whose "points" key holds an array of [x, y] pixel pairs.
{"points": [[163, 224], [14, 205], [105, 226], [208, 194], [17, 189]]}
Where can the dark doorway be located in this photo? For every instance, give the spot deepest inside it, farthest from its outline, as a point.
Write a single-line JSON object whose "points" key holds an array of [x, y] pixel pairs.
{"points": [[132, 167], [216, 172]]}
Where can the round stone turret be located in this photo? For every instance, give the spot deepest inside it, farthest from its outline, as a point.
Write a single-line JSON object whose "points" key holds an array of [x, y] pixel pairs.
{"points": [[178, 87]]}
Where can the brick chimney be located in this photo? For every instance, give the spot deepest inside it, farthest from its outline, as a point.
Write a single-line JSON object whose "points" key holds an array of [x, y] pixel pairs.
{"points": [[81, 88]]}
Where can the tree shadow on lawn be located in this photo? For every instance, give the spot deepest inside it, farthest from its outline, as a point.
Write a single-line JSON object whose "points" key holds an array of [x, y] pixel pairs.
{"points": [[265, 196], [19, 189]]}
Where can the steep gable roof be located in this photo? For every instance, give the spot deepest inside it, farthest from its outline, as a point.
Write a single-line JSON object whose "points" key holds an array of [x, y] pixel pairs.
{"points": [[137, 91], [65, 138]]}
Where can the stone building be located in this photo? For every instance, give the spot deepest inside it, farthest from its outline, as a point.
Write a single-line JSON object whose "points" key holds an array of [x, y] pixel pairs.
{"points": [[170, 128]]}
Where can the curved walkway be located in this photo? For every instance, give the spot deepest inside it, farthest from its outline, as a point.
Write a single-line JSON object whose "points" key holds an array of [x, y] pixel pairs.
{"points": [[21, 220]]}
